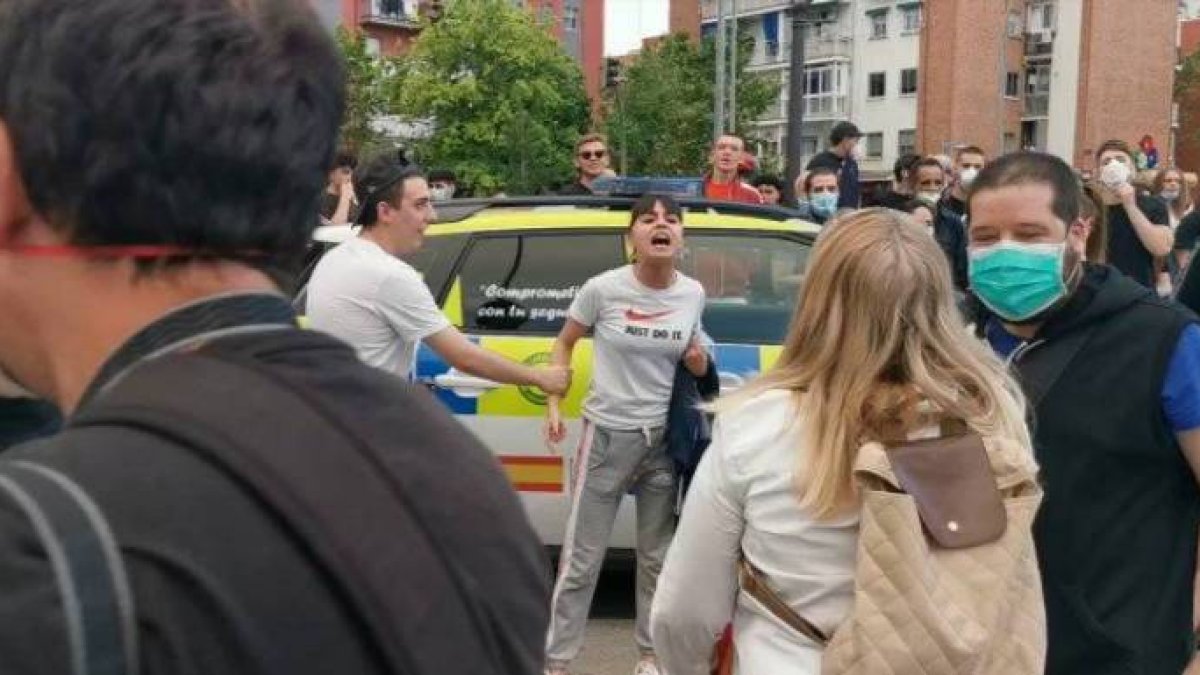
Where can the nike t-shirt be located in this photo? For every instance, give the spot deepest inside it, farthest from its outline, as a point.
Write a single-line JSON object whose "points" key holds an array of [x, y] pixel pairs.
{"points": [[639, 335]]}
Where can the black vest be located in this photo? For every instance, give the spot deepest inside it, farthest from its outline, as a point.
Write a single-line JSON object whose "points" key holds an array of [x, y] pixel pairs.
{"points": [[1117, 532]]}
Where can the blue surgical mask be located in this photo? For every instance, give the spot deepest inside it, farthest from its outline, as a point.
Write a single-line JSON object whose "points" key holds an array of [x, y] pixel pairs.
{"points": [[823, 204], [1018, 281]]}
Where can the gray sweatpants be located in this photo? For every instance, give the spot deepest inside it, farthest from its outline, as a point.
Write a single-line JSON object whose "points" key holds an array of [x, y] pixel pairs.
{"points": [[608, 465]]}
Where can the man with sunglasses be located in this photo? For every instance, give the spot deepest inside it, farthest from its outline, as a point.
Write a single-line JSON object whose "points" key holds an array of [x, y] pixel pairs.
{"points": [[591, 162]]}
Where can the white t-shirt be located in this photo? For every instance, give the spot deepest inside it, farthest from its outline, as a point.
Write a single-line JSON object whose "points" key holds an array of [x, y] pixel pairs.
{"points": [[376, 302], [640, 334]]}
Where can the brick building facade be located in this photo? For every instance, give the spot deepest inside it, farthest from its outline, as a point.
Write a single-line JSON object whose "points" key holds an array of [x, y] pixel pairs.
{"points": [[1061, 76]]}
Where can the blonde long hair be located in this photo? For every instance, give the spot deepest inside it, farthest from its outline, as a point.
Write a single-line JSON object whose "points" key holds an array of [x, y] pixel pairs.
{"points": [[875, 338]]}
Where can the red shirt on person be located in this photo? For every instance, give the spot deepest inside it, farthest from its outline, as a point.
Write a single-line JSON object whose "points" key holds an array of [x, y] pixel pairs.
{"points": [[735, 191]]}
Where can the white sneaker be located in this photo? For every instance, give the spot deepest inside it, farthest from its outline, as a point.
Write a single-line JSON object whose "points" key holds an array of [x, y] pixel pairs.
{"points": [[646, 667]]}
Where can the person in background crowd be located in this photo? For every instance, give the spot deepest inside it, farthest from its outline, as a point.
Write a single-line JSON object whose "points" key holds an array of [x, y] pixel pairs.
{"points": [[1147, 159], [364, 293], [644, 319], [771, 189], [723, 182], [927, 180], [1137, 224], [1113, 376], [775, 487], [921, 212], [1171, 187], [1186, 238], [901, 191], [591, 162], [819, 190], [842, 158], [949, 221], [338, 201], [747, 167], [1093, 219], [160, 167], [443, 185]]}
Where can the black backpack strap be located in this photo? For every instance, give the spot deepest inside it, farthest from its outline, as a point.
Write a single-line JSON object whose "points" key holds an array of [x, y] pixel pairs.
{"points": [[328, 486], [88, 568]]}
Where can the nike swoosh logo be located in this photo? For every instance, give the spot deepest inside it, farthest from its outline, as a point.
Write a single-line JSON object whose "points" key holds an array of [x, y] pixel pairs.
{"points": [[634, 315]]}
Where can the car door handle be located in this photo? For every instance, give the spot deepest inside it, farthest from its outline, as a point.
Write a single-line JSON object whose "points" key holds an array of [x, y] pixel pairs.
{"points": [[464, 385], [730, 381]]}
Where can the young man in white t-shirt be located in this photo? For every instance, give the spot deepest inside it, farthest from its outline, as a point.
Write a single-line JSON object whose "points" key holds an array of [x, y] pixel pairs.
{"points": [[363, 293]]}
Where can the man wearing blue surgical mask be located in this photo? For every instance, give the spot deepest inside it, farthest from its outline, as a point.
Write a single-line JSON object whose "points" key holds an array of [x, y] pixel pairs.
{"points": [[819, 189], [1112, 374]]}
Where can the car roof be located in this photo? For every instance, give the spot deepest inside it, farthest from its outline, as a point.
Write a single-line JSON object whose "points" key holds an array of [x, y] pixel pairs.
{"points": [[525, 214]]}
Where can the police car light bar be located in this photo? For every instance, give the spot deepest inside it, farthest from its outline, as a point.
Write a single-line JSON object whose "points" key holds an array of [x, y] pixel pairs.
{"points": [[635, 187]]}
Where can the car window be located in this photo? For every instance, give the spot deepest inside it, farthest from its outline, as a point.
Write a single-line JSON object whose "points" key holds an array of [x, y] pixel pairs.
{"points": [[751, 283], [524, 283], [435, 261]]}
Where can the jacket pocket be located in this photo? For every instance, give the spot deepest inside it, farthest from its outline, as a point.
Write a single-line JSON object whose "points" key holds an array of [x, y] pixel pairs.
{"points": [[1079, 643]]}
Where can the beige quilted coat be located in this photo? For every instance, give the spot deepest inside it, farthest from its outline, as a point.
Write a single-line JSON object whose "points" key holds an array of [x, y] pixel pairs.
{"points": [[922, 610]]}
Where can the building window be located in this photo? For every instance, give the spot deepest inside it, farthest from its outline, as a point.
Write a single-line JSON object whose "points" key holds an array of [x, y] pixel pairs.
{"points": [[570, 18], [1041, 17], [906, 142], [824, 91], [911, 16], [1015, 28], [879, 24], [1012, 85], [808, 145], [875, 145], [908, 81], [877, 85]]}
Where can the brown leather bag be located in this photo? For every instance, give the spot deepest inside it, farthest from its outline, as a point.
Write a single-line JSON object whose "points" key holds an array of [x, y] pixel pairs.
{"points": [[946, 579]]}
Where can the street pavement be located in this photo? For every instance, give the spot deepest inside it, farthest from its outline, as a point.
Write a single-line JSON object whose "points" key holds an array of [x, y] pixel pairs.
{"points": [[610, 649]]}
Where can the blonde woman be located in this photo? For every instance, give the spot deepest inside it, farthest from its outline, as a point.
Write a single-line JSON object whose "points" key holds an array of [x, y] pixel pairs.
{"points": [[875, 341]]}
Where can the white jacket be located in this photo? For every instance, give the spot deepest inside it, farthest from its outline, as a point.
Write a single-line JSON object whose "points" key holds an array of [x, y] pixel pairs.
{"points": [[744, 501]]}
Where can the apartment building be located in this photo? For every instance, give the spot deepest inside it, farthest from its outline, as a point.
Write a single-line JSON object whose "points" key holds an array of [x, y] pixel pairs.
{"points": [[860, 64], [1061, 76]]}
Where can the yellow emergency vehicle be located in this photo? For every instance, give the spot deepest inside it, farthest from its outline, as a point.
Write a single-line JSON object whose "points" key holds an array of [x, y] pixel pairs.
{"points": [[505, 272]]}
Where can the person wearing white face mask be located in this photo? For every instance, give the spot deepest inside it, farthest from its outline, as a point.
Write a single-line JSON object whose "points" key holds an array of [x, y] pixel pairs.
{"points": [[950, 217], [1138, 230], [842, 158], [443, 185]]}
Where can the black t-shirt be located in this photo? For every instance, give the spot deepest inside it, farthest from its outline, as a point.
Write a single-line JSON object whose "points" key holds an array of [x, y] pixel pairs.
{"points": [[894, 200], [1125, 250], [329, 205], [1188, 232], [22, 419]]}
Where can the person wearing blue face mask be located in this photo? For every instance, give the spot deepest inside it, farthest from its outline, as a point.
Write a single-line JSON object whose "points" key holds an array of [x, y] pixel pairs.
{"points": [[1112, 374], [820, 190]]}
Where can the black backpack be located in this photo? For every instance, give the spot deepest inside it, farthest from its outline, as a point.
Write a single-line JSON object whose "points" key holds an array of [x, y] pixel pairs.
{"points": [[330, 501]]}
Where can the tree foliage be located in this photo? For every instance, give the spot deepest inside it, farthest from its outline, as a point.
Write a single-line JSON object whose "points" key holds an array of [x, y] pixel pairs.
{"points": [[661, 117], [1187, 93], [370, 81], [506, 101]]}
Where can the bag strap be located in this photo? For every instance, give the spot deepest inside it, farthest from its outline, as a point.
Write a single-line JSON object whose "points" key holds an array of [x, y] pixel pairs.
{"points": [[754, 582], [331, 501], [88, 569]]}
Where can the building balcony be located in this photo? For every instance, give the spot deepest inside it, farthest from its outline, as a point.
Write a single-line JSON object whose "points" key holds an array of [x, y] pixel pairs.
{"points": [[708, 8], [1038, 47], [390, 13], [817, 49], [824, 107], [1037, 105]]}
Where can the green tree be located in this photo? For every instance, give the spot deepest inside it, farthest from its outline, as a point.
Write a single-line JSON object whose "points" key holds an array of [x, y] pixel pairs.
{"points": [[1187, 93], [506, 102], [369, 82], [661, 117]]}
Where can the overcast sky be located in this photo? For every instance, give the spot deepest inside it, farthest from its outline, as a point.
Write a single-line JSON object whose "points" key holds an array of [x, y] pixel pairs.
{"points": [[626, 22]]}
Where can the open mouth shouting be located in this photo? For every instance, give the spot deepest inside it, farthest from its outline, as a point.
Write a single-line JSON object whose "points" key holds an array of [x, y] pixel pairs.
{"points": [[661, 240]]}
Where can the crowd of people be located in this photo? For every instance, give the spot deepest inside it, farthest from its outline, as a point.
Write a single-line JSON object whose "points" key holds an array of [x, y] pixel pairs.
{"points": [[234, 494]]}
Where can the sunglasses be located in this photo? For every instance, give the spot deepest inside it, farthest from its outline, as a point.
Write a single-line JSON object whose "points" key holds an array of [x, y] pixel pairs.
{"points": [[588, 154]]}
